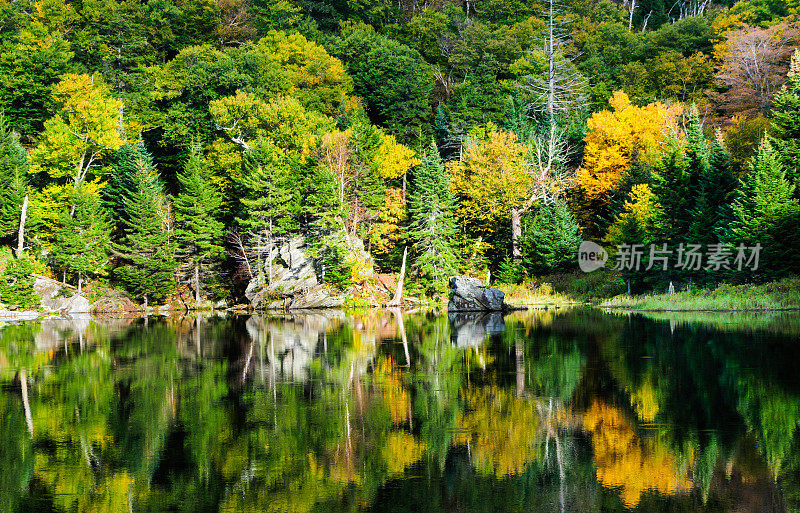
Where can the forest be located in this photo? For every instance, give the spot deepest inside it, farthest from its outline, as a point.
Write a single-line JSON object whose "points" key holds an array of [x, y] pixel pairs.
{"points": [[153, 146]]}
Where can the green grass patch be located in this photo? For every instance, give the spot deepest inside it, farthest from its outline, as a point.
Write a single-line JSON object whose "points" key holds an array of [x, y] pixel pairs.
{"points": [[778, 295]]}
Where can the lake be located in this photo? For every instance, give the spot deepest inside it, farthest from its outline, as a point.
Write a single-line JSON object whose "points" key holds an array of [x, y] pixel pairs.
{"points": [[562, 410]]}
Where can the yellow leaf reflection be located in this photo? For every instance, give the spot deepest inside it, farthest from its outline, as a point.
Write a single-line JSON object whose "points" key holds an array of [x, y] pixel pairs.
{"points": [[628, 462]]}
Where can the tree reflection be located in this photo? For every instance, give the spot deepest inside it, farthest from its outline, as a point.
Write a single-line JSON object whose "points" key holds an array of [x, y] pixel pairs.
{"points": [[557, 411]]}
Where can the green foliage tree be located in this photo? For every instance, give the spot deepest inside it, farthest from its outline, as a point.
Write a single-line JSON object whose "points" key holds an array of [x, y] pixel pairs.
{"points": [[431, 206], [198, 231], [269, 200], [31, 62], [82, 240], [550, 242], [147, 248], [785, 130], [765, 212], [673, 194], [16, 283], [393, 79], [716, 182], [13, 178]]}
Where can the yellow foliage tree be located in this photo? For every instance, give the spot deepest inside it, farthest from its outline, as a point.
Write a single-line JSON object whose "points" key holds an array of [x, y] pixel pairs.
{"points": [[76, 137], [616, 138], [492, 180], [637, 216]]}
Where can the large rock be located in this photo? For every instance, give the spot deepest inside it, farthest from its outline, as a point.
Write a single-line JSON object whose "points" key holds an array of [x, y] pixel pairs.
{"points": [[471, 295], [295, 281], [470, 329], [59, 297]]}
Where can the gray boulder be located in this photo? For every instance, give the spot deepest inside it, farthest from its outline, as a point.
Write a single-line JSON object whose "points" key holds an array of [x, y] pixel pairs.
{"points": [[59, 297], [471, 295], [291, 282]]}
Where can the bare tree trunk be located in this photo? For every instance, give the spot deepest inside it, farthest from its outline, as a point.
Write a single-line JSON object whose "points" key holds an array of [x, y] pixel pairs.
{"points": [[23, 379], [516, 233], [21, 234], [630, 19], [398, 292], [80, 282], [196, 284]]}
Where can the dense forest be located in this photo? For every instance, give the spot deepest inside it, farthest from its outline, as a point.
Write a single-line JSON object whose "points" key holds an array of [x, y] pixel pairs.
{"points": [[149, 146]]}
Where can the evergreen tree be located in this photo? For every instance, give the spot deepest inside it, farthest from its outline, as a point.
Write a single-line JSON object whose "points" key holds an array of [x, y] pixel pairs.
{"points": [[671, 186], [82, 240], [122, 169], [697, 153], [766, 213], [13, 178], [148, 248], [433, 227], [198, 231], [269, 202], [715, 185], [785, 131], [551, 241]]}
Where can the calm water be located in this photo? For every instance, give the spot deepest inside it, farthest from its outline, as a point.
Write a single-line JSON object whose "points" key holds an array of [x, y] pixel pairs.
{"points": [[538, 411]]}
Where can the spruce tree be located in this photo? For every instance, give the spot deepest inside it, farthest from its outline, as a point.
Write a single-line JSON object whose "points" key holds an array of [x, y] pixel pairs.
{"points": [[551, 241], [147, 248], [433, 227], [198, 231], [785, 130], [122, 168], [715, 185], [82, 240], [766, 213], [671, 186], [13, 179]]}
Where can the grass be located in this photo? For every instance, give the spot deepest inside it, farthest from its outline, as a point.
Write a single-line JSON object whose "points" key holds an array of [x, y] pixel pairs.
{"points": [[779, 295], [543, 295], [564, 289]]}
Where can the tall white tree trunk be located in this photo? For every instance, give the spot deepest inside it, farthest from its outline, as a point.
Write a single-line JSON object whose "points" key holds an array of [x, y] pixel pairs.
{"points": [[196, 284], [21, 234], [516, 233], [398, 292]]}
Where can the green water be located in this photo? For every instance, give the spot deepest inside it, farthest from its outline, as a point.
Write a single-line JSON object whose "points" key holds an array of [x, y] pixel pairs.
{"points": [[539, 411]]}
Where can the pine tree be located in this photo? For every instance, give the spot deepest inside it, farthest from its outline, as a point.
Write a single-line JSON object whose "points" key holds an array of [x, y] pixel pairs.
{"points": [[13, 179], [82, 240], [766, 213], [198, 231], [433, 227], [785, 131], [551, 241], [148, 248]]}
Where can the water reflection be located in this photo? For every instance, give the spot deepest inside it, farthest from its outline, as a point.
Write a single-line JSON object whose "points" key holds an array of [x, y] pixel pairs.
{"points": [[322, 411]]}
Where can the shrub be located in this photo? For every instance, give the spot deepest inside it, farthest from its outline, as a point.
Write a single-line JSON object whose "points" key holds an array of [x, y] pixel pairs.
{"points": [[16, 283]]}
